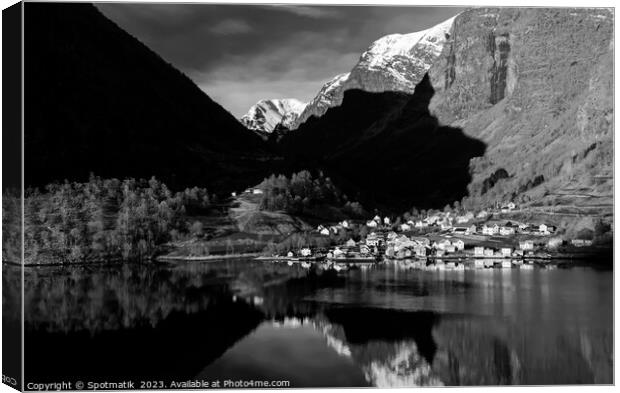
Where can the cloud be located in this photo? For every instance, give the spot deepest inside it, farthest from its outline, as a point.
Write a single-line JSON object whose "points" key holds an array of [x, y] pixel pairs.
{"points": [[231, 26], [281, 73], [291, 51], [310, 12]]}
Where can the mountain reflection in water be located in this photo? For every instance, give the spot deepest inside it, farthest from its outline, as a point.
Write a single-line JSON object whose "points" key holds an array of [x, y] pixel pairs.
{"points": [[382, 326]]}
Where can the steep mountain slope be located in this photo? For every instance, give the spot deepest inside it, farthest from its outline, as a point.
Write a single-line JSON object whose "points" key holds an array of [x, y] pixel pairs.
{"points": [[265, 115], [396, 62], [386, 149], [97, 100], [536, 85], [330, 95]]}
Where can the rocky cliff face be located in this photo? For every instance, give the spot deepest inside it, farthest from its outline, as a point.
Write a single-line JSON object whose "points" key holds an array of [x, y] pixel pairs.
{"points": [[536, 86], [265, 115], [396, 62]]}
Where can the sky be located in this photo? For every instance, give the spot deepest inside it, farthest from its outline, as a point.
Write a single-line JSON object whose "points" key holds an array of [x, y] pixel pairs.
{"points": [[240, 54]]}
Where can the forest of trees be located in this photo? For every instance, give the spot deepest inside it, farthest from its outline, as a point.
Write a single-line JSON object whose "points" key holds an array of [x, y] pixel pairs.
{"points": [[99, 220], [302, 193]]}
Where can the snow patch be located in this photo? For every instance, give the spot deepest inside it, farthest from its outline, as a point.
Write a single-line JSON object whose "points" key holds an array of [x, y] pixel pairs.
{"points": [[265, 115]]}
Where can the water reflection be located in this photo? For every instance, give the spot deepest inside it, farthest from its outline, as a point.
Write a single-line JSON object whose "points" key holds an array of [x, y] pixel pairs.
{"points": [[383, 326]]}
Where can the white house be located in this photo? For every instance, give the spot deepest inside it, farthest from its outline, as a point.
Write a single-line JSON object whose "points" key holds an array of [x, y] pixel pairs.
{"points": [[257, 191], [338, 253], [506, 231], [372, 224], [526, 245], [306, 252], [350, 243], [459, 244], [377, 218], [432, 219], [479, 251], [324, 232], [506, 251], [546, 229], [386, 221], [405, 227], [345, 224], [420, 251], [487, 230], [442, 244], [450, 248], [488, 252], [289, 254], [421, 224], [482, 214], [581, 242], [446, 224], [465, 218]]}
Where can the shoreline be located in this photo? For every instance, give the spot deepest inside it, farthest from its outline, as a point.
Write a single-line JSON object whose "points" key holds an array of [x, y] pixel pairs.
{"points": [[168, 258], [258, 256]]}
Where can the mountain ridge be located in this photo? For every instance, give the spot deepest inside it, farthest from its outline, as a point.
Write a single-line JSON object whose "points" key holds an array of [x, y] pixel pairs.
{"points": [[266, 115], [395, 62], [90, 84]]}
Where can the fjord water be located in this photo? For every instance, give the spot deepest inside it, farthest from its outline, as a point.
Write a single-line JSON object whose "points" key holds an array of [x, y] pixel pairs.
{"points": [[380, 326]]}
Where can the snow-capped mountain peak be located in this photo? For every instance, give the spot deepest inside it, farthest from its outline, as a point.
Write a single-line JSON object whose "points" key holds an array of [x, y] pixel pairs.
{"points": [[395, 62], [265, 115], [393, 45]]}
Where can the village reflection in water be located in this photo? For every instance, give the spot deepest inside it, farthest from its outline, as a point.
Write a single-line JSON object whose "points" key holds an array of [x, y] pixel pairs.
{"points": [[388, 325]]}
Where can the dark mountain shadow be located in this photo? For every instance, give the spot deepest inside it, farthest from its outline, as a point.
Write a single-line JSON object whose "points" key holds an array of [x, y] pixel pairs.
{"points": [[387, 149], [178, 347], [98, 100], [364, 324], [95, 323]]}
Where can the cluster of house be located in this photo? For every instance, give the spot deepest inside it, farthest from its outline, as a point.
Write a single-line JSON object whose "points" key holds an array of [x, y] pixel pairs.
{"points": [[511, 229], [526, 247], [446, 221], [457, 223], [394, 245], [353, 249], [333, 229], [376, 222], [401, 246]]}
